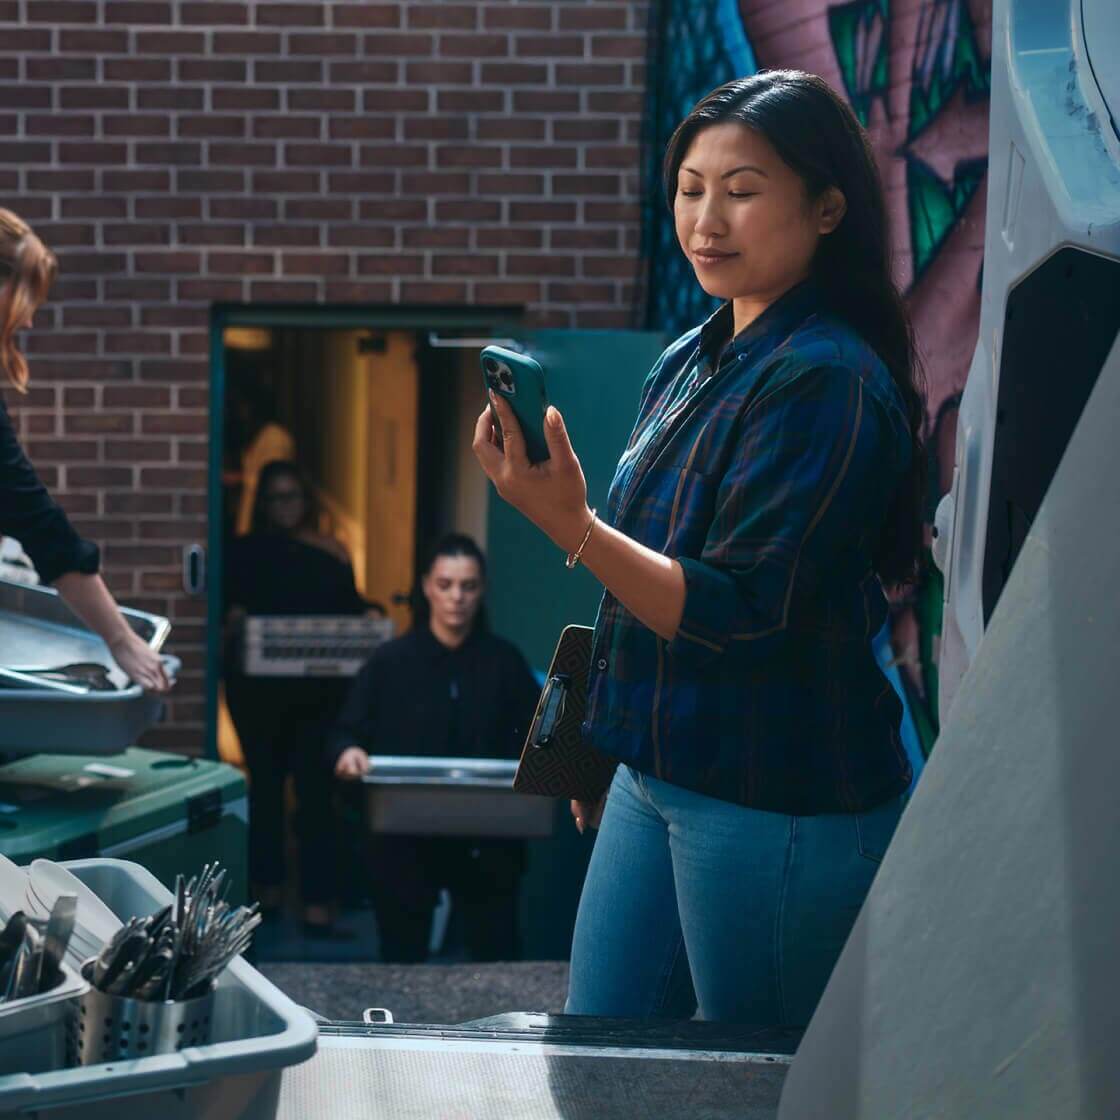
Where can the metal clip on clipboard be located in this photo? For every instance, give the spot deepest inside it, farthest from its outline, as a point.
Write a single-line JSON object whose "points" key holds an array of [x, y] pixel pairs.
{"points": [[550, 710]]}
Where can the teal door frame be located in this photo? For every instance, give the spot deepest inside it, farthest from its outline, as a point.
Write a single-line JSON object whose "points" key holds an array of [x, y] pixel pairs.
{"points": [[491, 320]]}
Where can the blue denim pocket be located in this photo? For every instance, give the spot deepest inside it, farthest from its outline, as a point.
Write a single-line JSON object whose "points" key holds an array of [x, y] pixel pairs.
{"points": [[875, 827]]}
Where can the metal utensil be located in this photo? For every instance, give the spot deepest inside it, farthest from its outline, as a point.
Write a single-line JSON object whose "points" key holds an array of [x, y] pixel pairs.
{"points": [[90, 675], [11, 942], [177, 952], [14, 678], [25, 975], [60, 926], [111, 960], [12, 935]]}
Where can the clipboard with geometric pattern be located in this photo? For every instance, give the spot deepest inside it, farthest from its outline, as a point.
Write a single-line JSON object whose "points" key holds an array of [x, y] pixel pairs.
{"points": [[555, 761]]}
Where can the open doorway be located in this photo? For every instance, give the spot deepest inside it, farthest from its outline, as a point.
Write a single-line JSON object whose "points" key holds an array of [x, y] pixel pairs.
{"points": [[365, 431], [379, 420]]}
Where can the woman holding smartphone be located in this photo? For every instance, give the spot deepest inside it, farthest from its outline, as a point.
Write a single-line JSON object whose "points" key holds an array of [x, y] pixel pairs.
{"points": [[771, 486], [27, 512]]}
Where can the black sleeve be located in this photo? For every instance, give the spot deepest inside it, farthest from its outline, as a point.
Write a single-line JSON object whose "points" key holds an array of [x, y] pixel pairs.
{"points": [[353, 726], [28, 513], [233, 575], [350, 599]]}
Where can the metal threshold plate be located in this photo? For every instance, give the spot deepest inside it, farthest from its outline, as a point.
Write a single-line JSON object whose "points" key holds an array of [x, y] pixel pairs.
{"points": [[400, 1079]]}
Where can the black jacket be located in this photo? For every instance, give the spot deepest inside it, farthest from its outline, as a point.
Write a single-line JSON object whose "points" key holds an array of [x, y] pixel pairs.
{"points": [[416, 697], [28, 513], [270, 573]]}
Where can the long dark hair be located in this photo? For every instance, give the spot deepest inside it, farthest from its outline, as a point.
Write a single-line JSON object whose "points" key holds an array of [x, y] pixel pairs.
{"points": [[450, 544], [282, 468], [815, 132]]}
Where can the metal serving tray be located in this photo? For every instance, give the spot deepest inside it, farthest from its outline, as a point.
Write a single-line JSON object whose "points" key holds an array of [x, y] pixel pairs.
{"points": [[39, 631], [418, 796]]}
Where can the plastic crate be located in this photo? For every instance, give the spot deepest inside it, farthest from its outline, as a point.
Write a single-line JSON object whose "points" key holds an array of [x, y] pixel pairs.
{"points": [[33, 1029], [257, 1032]]}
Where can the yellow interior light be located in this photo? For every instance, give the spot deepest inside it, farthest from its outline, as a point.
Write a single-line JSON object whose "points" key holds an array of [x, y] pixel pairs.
{"points": [[247, 338]]}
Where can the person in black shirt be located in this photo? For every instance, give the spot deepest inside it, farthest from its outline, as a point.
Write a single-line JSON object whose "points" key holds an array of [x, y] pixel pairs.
{"points": [[27, 511], [285, 567], [447, 688]]}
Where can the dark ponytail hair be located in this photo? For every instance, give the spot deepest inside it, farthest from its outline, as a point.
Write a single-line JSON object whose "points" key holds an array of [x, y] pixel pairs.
{"points": [[816, 134], [450, 544]]}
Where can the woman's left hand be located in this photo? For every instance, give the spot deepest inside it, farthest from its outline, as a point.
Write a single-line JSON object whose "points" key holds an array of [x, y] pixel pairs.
{"points": [[588, 814], [140, 662], [552, 494]]}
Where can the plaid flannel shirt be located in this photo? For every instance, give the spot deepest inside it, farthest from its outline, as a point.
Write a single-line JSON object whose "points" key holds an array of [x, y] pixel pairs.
{"points": [[766, 471]]}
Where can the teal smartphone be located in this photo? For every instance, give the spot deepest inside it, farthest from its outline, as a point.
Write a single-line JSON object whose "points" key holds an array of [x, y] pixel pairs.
{"points": [[520, 380]]}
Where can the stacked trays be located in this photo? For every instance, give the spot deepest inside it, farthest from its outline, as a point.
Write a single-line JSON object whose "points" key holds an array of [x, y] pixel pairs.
{"points": [[256, 1031]]}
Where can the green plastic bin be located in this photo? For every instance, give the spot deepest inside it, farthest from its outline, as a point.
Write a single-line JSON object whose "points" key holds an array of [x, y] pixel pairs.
{"points": [[257, 1032], [171, 814]]}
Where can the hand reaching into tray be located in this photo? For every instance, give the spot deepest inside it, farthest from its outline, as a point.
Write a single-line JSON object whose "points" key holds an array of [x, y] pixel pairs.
{"points": [[140, 662], [89, 598]]}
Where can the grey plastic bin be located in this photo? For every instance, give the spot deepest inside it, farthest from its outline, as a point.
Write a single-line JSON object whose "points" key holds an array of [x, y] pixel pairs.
{"points": [[257, 1032], [38, 629], [38, 722], [33, 1029]]}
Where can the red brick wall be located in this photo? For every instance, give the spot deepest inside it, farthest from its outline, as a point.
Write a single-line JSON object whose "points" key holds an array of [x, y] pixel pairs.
{"points": [[177, 153]]}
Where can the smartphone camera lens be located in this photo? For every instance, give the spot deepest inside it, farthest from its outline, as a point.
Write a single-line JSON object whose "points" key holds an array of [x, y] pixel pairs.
{"points": [[499, 376]]}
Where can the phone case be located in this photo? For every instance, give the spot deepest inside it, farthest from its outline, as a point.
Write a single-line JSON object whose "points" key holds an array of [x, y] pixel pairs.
{"points": [[520, 380], [555, 761]]}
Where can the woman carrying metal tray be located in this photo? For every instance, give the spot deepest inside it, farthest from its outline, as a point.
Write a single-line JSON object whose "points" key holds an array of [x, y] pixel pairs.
{"points": [[27, 511], [771, 486]]}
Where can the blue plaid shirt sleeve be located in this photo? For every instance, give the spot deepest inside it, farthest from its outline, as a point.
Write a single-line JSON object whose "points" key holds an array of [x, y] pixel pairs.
{"points": [[808, 460]]}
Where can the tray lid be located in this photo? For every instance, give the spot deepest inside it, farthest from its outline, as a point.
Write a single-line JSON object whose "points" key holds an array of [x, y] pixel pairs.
{"points": [[49, 803]]}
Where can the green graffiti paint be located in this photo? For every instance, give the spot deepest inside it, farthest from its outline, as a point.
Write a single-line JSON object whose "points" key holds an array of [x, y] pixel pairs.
{"points": [[946, 57], [936, 207], [860, 33]]}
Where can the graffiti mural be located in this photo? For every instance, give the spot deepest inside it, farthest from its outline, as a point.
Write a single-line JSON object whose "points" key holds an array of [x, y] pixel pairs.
{"points": [[705, 38], [916, 74]]}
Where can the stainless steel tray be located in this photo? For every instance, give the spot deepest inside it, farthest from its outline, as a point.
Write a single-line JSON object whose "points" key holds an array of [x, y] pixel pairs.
{"points": [[419, 796], [38, 630]]}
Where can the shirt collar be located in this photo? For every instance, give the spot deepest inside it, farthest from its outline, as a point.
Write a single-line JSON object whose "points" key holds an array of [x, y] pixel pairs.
{"points": [[434, 648], [785, 313]]}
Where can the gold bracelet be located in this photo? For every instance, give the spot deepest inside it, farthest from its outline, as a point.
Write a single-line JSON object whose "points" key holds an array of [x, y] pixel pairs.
{"points": [[574, 557]]}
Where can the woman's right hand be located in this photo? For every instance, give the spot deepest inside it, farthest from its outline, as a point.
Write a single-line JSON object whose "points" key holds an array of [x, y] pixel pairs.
{"points": [[140, 662], [352, 764], [588, 814]]}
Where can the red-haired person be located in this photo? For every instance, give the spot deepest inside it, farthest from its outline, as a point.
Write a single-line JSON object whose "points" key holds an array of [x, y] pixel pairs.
{"points": [[27, 511]]}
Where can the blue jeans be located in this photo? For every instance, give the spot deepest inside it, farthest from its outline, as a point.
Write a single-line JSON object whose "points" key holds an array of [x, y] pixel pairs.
{"points": [[692, 902]]}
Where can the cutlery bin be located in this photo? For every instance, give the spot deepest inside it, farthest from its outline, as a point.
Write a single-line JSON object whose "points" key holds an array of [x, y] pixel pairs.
{"points": [[256, 1031]]}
